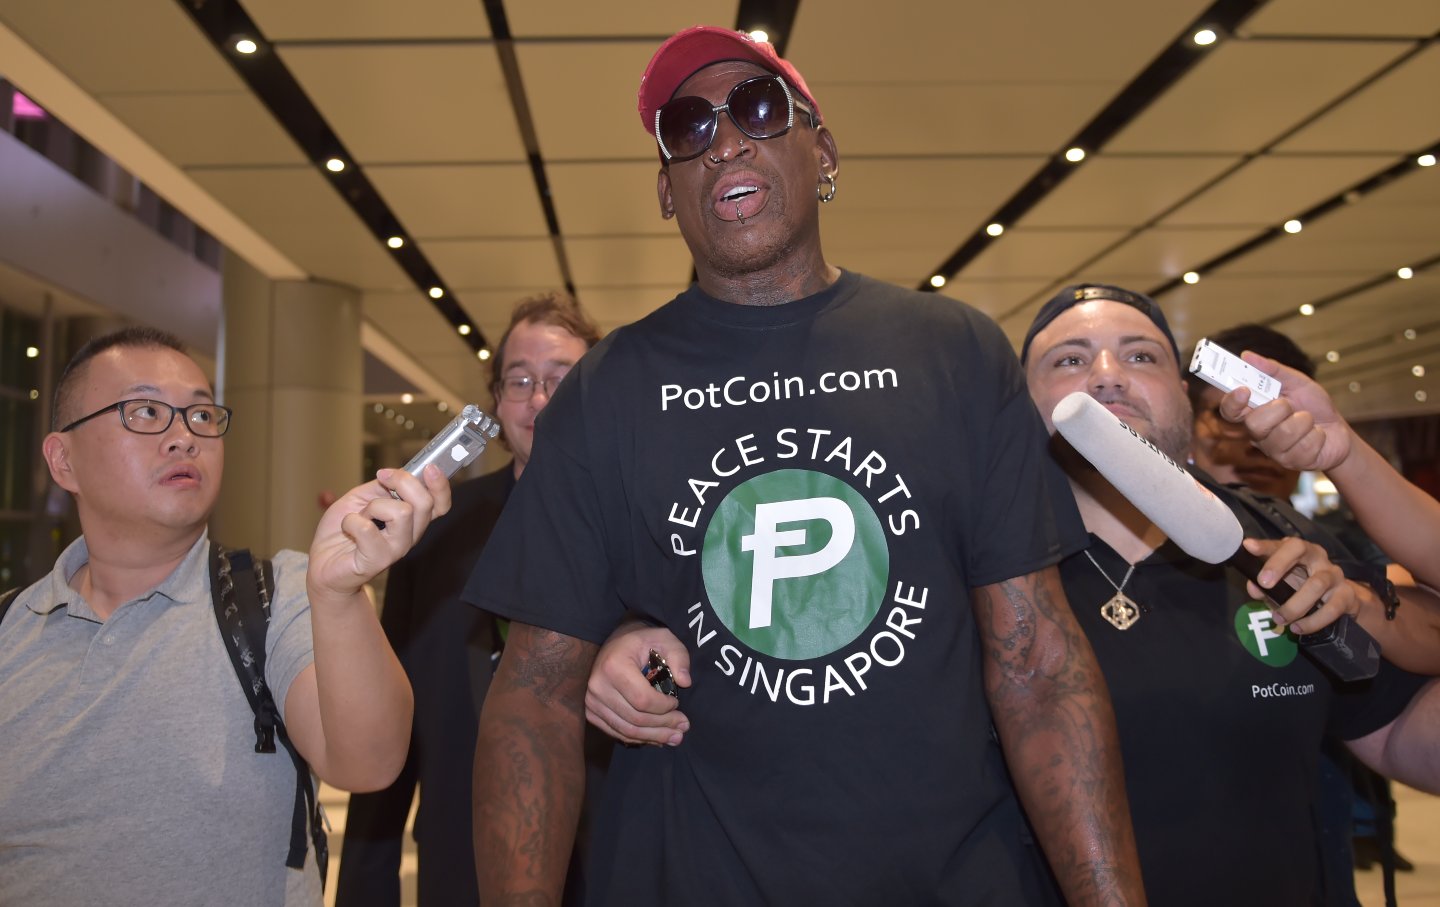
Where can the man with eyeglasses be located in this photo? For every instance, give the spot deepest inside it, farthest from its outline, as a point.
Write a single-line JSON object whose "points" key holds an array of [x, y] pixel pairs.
{"points": [[836, 492], [446, 646], [132, 772]]}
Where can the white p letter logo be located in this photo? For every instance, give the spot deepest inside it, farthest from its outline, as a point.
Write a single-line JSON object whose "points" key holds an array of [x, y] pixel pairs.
{"points": [[1262, 625], [767, 540]]}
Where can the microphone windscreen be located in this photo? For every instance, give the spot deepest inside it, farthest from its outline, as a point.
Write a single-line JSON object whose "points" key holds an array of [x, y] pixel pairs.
{"points": [[1185, 510]]}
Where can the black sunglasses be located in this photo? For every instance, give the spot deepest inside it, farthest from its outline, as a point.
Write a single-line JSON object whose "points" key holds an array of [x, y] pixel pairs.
{"points": [[762, 108]]}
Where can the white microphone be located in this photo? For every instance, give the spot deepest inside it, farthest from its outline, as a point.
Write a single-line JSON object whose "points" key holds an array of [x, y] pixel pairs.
{"points": [[1195, 519], [1185, 510]]}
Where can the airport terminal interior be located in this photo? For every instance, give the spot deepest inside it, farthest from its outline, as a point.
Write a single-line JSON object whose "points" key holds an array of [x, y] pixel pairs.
{"points": [[335, 203]]}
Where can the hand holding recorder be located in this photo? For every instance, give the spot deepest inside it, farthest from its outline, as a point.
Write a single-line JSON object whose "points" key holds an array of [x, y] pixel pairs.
{"points": [[1202, 525]]}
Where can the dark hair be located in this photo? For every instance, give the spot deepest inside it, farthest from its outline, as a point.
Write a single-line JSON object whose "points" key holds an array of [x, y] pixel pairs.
{"points": [[1258, 339], [139, 337], [555, 307]]}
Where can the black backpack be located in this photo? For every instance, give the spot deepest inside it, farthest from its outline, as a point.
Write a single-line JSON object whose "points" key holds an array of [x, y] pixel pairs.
{"points": [[240, 593]]}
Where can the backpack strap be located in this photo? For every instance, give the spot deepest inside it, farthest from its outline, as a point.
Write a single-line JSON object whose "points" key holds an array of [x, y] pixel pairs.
{"points": [[240, 591]]}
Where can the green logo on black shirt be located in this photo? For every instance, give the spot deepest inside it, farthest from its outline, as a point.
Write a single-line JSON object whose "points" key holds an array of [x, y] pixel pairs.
{"points": [[1258, 634], [795, 563]]}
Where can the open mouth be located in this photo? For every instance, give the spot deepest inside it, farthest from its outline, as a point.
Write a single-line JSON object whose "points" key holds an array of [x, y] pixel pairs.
{"points": [[739, 192]]}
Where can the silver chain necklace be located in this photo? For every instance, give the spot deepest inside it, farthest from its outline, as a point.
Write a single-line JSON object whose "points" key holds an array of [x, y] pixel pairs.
{"points": [[1120, 610]]}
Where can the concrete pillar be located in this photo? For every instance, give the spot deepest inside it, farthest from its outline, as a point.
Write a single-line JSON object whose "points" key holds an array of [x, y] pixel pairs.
{"points": [[290, 364]]}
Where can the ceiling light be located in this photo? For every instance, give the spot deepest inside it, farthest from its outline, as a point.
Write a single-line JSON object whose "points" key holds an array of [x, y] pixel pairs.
{"points": [[395, 242], [1204, 37], [334, 165], [758, 34], [464, 330], [995, 229], [483, 354], [409, 423], [1405, 273], [1190, 277], [1332, 356], [1418, 371], [1426, 160], [32, 352], [1410, 334], [399, 418], [1307, 309], [1293, 226], [1421, 396], [443, 406], [937, 281], [1354, 387], [1075, 155], [246, 46], [436, 292], [379, 407], [407, 398], [389, 413], [34, 394]]}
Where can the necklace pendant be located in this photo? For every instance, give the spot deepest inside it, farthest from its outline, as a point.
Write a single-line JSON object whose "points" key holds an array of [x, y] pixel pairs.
{"points": [[1120, 611]]}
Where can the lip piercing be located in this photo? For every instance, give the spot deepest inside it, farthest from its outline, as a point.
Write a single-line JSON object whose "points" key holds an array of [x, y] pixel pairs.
{"points": [[738, 215]]}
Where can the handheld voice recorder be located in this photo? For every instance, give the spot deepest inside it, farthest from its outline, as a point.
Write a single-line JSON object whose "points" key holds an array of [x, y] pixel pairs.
{"points": [[1227, 371], [458, 444]]}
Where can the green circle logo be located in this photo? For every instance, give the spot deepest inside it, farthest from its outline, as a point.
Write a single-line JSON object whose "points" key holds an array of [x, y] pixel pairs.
{"points": [[795, 563], [1261, 638]]}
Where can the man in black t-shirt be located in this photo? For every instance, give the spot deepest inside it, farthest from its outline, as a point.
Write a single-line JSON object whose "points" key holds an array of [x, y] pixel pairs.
{"points": [[836, 489], [1220, 717]]}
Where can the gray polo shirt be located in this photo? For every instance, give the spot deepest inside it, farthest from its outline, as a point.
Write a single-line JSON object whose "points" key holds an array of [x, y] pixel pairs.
{"points": [[128, 771]]}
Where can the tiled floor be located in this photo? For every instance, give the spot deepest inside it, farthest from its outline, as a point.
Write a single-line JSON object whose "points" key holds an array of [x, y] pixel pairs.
{"points": [[1418, 836]]}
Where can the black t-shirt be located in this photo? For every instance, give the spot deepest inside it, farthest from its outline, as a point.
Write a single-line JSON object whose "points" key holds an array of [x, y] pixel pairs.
{"points": [[805, 495], [1220, 721]]}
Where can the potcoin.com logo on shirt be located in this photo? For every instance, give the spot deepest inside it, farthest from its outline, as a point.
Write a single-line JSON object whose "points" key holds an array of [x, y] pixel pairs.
{"points": [[1256, 629], [795, 563]]}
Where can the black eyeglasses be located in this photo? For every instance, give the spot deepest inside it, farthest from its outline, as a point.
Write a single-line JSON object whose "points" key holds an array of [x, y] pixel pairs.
{"points": [[762, 108], [520, 388], [153, 417]]}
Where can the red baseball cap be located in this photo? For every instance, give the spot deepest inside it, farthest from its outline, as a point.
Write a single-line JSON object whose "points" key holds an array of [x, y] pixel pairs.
{"points": [[686, 53]]}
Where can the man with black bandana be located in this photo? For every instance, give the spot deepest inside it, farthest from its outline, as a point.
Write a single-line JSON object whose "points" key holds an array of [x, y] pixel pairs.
{"points": [[1220, 717], [809, 474]]}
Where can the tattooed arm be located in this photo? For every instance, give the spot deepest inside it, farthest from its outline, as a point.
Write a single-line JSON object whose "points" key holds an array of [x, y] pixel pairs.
{"points": [[529, 774], [1052, 710]]}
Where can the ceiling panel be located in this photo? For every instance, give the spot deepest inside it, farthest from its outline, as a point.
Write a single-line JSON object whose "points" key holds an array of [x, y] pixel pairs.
{"points": [[1280, 84], [994, 297], [1039, 253], [1108, 191], [1396, 113], [382, 101], [301, 213], [1384, 311], [287, 20], [947, 118], [1368, 237], [624, 261], [1160, 254], [1225, 300], [108, 46], [615, 198], [460, 201], [198, 129], [582, 96], [1270, 189], [962, 42], [639, 17], [493, 264], [1415, 18]]}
